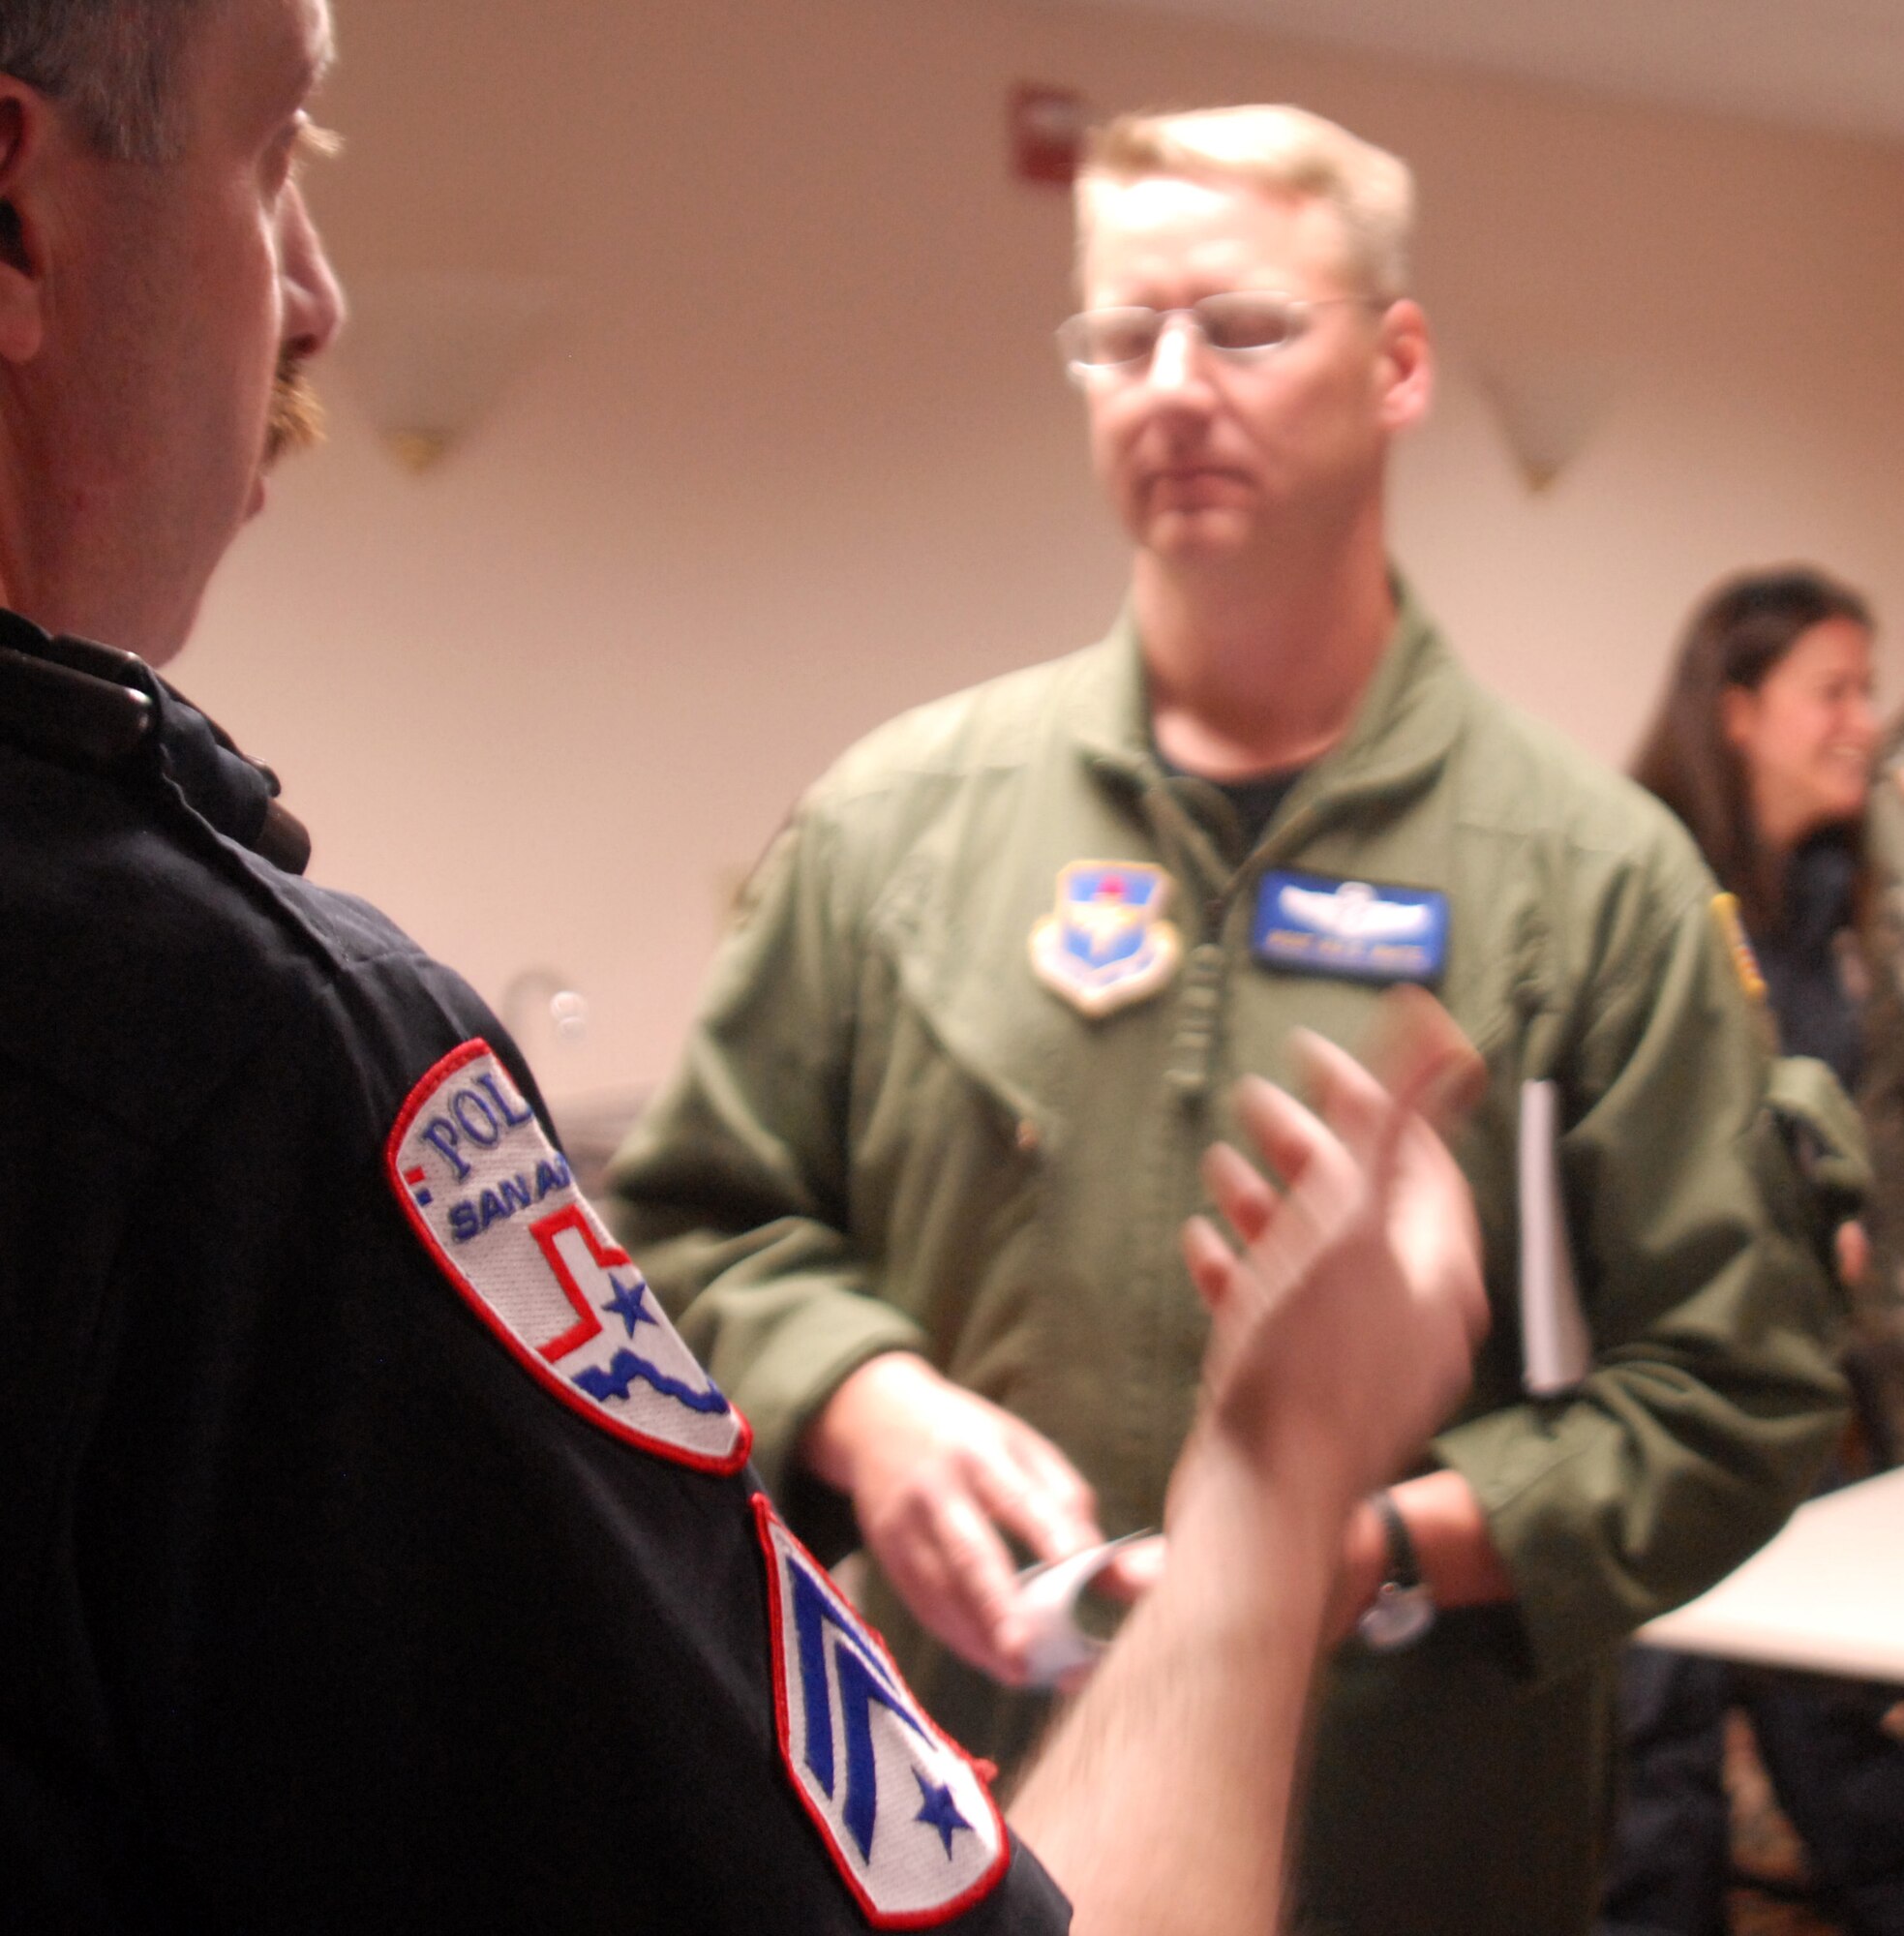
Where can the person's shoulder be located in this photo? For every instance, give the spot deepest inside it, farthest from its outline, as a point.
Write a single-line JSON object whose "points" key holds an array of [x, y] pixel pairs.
{"points": [[146, 957], [998, 726], [1526, 779], [1885, 813]]}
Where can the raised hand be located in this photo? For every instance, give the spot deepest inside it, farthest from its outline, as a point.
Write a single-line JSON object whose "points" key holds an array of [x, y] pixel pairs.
{"points": [[1345, 1326]]}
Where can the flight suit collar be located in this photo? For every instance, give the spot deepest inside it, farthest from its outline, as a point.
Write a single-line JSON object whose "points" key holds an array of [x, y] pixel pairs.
{"points": [[1403, 730]]}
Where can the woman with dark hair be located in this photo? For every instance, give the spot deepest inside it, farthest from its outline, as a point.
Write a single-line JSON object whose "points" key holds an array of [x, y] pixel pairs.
{"points": [[1763, 746]]}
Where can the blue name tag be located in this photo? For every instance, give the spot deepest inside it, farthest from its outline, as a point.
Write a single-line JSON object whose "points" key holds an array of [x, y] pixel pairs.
{"points": [[1361, 930]]}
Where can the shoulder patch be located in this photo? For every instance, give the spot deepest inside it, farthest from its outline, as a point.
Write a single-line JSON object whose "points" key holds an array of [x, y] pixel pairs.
{"points": [[493, 1199], [1744, 963], [903, 1810]]}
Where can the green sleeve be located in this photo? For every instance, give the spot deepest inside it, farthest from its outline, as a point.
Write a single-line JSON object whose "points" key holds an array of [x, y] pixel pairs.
{"points": [[1880, 1092], [733, 1192], [1879, 1300], [1713, 1399]]}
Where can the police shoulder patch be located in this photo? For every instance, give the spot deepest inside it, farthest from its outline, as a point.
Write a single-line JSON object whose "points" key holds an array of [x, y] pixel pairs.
{"points": [[903, 1810], [494, 1203]]}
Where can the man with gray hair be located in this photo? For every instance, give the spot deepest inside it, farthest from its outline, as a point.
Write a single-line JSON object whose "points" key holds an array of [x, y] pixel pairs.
{"points": [[376, 1557], [115, 67], [914, 1192]]}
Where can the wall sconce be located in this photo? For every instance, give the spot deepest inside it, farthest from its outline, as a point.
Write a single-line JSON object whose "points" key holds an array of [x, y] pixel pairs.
{"points": [[428, 354], [1547, 409]]}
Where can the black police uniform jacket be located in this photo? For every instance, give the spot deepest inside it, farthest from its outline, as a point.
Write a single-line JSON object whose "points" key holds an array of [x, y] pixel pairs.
{"points": [[317, 1611]]}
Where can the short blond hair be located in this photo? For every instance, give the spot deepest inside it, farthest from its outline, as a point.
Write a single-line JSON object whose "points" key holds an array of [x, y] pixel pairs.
{"points": [[1287, 150]]}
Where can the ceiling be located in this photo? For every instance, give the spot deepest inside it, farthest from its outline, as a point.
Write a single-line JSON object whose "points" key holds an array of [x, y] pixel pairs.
{"points": [[1821, 64]]}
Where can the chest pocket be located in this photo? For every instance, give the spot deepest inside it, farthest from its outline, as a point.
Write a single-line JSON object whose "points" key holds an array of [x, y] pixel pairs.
{"points": [[1003, 1142]]}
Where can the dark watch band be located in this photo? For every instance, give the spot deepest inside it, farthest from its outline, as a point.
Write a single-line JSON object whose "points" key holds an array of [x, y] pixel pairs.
{"points": [[1404, 1561], [1403, 1609]]}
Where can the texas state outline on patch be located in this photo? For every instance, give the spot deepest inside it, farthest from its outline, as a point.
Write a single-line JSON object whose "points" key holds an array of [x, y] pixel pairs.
{"points": [[497, 1206]]}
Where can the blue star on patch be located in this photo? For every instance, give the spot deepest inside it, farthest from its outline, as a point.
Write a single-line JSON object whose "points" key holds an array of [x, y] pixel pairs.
{"points": [[939, 1810], [629, 1303]]}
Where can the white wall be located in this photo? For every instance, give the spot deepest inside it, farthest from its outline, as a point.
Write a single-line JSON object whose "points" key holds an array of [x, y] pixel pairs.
{"points": [[797, 452]]}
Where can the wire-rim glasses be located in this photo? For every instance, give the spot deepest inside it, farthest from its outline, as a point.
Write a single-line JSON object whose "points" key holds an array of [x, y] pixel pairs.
{"points": [[1241, 325]]}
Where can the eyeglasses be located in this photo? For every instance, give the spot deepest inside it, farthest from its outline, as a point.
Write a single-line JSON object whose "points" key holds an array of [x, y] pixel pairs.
{"points": [[1240, 324]]}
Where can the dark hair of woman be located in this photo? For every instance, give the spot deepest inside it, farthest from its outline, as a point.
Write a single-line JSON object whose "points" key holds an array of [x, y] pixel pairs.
{"points": [[1737, 635]]}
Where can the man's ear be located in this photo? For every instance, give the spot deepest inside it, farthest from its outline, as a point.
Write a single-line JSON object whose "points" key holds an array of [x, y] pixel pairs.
{"points": [[25, 120], [1407, 365]]}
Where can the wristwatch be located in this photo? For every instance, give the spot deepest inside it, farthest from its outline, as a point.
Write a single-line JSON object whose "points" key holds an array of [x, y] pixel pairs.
{"points": [[1403, 1608]]}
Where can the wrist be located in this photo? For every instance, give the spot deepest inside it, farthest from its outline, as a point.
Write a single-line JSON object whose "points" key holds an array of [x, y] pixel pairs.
{"points": [[1452, 1540], [1360, 1567], [1231, 1525], [1403, 1609], [829, 1446]]}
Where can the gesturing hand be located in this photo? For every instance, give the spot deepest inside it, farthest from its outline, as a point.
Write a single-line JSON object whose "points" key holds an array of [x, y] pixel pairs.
{"points": [[1344, 1332], [934, 1472]]}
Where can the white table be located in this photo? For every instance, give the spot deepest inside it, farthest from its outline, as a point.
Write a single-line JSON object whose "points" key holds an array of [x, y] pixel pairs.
{"points": [[1827, 1594]]}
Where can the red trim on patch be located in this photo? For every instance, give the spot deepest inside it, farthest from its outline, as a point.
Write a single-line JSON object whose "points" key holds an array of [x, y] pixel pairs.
{"points": [[587, 1325], [425, 1087], [765, 1520]]}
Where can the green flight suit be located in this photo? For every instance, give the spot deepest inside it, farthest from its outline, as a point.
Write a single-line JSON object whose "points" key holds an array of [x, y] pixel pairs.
{"points": [[890, 1134], [1879, 1302]]}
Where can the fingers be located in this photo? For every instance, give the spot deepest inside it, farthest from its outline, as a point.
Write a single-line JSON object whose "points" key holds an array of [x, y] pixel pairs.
{"points": [[1346, 1329], [1040, 1495], [1418, 1052], [1293, 1139], [958, 1590], [1132, 1570], [1375, 1118], [1244, 1198], [1417, 1069], [1239, 1191], [1366, 1117], [953, 1476], [1416, 1064], [1214, 1268], [949, 1564], [1367, 1147], [980, 1592], [1852, 1250], [1278, 1232]]}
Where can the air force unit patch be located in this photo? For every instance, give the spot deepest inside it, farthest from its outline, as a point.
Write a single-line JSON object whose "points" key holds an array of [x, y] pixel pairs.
{"points": [[1361, 931], [910, 1824], [494, 1202], [1107, 944]]}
